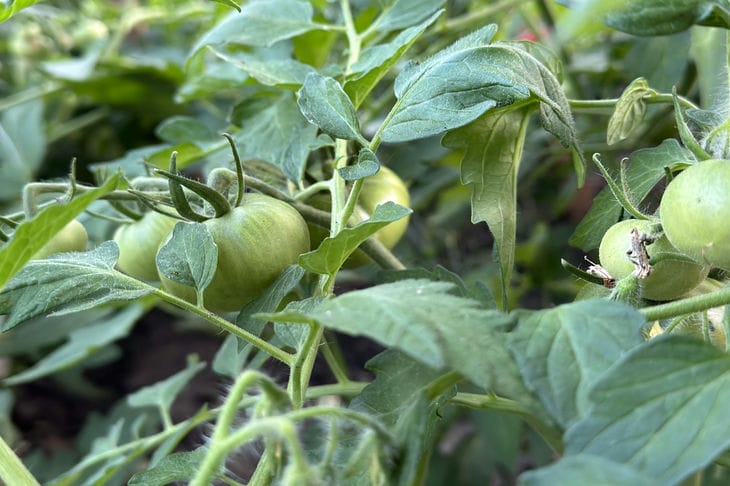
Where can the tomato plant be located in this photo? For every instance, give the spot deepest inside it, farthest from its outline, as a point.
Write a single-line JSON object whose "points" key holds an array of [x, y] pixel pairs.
{"points": [[509, 339], [693, 209]]}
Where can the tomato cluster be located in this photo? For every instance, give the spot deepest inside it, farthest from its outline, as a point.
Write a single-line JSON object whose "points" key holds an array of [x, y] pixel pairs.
{"points": [[693, 238]]}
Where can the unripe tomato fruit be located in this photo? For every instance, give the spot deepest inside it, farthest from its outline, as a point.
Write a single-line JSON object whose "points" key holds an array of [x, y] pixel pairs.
{"points": [[138, 243], [72, 237], [669, 279], [377, 189], [695, 210], [256, 242]]}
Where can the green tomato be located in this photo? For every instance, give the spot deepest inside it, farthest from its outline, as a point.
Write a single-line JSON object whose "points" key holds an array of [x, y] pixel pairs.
{"points": [[695, 210], [138, 243], [72, 237], [256, 241], [669, 278], [377, 189]]}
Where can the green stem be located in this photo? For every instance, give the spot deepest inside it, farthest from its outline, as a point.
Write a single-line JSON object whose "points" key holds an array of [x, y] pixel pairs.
{"points": [[217, 453], [298, 377], [610, 104], [12, 469], [353, 38], [335, 361], [689, 305], [492, 402], [273, 351], [349, 389]]}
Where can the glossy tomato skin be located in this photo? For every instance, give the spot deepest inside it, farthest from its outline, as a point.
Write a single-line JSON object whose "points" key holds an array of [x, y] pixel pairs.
{"points": [[256, 241], [669, 279], [377, 189], [72, 237], [695, 210], [138, 243]]}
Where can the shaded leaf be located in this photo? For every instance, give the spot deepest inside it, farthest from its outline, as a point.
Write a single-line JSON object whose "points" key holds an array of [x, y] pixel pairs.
{"points": [[180, 466], [332, 252], [661, 409], [181, 129], [324, 103], [163, 393], [261, 23], [562, 352], [32, 235], [269, 72], [68, 282], [294, 335], [22, 147], [275, 131], [398, 396], [82, 343], [585, 469], [629, 111], [398, 14], [492, 148]]}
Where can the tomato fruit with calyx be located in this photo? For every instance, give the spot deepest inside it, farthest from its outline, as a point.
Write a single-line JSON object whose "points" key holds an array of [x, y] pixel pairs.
{"points": [[138, 243], [72, 237], [256, 241], [670, 277], [382, 187], [695, 210]]}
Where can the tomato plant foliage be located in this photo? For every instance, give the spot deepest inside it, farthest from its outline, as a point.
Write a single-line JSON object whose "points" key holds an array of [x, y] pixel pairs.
{"points": [[250, 155]]}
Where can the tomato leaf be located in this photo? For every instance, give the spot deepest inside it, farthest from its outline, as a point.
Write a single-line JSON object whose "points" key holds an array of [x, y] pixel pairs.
{"points": [[398, 14], [332, 252], [367, 164], [325, 104], [180, 129], [274, 130], [585, 469], [562, 352], [644, 171], [629, 111], [13, 7], [376, 60], [269, 72], [189, 257], [492, 148], [82, 343], [662, 409], [180, 466], [261, 23], [431, 325], [399, 398], [22, 147], [648, 17], [30, 236], [161, 394], [66, 283]]}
